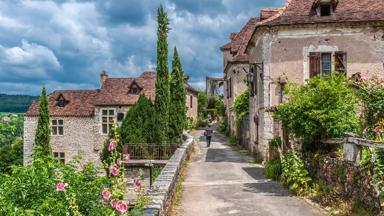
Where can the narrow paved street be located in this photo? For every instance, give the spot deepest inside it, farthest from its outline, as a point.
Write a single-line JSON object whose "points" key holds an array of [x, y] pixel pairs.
{"points": [[220, 181]]}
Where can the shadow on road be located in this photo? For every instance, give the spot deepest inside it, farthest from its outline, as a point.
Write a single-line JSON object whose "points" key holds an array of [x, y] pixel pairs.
{"points": [[224, 155]]}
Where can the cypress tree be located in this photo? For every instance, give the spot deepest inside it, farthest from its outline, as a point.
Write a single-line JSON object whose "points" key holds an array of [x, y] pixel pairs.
{"points": [[43, 131], [138, 125], [162, 81], [177, 107]]}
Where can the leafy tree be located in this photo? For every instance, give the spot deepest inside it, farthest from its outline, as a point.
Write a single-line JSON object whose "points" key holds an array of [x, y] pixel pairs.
{"points": [[11, 155], [178, 119], [323, 108], [138, 125], [43, 131], [162, 81], [241, 105], [202, 103]]}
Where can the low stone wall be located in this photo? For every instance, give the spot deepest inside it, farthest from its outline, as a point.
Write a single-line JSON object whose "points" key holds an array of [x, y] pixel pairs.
{"points": [[163, 189], [347, 180]]}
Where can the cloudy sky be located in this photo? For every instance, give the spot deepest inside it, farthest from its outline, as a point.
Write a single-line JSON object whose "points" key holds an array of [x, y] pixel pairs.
{"points": [[66, 44]]}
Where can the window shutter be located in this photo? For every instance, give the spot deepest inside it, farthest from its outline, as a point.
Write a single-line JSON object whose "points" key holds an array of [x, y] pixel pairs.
{"points": [[230, 87], [341, 62], [314, 64]]}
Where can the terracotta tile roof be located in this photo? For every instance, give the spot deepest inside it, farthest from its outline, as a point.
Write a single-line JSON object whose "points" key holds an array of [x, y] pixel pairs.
{"points": [[79, 103], [226, 47], [347, 11], [240, 41], [115, 91], [269, 12]]}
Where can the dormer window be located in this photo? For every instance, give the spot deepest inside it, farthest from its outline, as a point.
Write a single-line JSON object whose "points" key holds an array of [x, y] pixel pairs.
{"points": [[325, 10], [61, 102], [325, 7], [134, 88]]}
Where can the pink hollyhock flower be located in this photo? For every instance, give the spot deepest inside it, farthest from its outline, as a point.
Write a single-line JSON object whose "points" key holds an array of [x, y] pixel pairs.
{"points": [[364, 78], [106, 194], [60, 186], [121, 206], [376, 129], [113, 170], [137, 183], [113, 203], [112, 145], [118, 162]]}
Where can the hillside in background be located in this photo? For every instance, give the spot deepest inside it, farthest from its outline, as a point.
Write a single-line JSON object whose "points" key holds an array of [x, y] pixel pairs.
{"points": [[15, 103]]}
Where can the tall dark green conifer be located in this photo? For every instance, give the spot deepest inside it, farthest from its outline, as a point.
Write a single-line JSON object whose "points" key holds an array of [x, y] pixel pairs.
{"points": [[177, 119], [43, 131], [138, 125], [162, 82]]}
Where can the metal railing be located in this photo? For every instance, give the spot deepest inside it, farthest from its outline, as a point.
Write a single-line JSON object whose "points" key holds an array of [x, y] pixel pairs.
{"points": [[145, 151]]}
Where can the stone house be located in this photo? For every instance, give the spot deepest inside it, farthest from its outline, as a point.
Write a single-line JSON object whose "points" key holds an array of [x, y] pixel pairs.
{"points": [[81, 119], [236, 68], [307, 38]]}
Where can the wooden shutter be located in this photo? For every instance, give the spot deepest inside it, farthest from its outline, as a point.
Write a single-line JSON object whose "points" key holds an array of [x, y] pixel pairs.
{"points": [[341, 62], [230, 87], [314, 64]]}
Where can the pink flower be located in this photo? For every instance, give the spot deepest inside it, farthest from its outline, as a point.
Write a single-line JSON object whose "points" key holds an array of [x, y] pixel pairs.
{"points": [[113, 203], [112, 145], [364, 78], [113, 170], [121, 206], [106, 194], [118, 162], [137, 183], [376, 129], [60, 186]]}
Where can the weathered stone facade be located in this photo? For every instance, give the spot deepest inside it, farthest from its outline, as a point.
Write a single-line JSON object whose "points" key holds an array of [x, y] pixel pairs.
{"points": [[191, 103], [82, 118], [284, 53], [347, 180], [82, 136]]}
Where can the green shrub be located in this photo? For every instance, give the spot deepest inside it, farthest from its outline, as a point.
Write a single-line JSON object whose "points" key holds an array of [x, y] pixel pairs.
{"points": [[212, 112], [202, 122], [273, 169], [323, 108], [294, 173], [222, 126]]}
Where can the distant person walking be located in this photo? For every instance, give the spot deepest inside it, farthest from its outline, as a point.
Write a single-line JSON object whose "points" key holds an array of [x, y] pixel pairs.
{"points": [[209, 118], [208, 135]]}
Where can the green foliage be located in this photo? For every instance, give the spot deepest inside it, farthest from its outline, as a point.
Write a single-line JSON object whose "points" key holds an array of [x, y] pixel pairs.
{"points": [[156, 172], [162, 99], [12, 129], [222, 126], [43, 131], [241, 105], [322, 108], [139, 125], [31, 190], [177, 121], [15, 103], [105, 155], [201, 122], [273, 169], [202, 103], [294, 173], [11, 155]]}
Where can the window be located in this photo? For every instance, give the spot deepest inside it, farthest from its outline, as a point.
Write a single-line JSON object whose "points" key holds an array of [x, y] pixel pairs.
{"points": [[60, 156], [325, 10], [120, 117], [190, 101], [321, 63], [135, 90], [61, 102], [230, 87], [107, 119], [57, 127], [326, 61]]}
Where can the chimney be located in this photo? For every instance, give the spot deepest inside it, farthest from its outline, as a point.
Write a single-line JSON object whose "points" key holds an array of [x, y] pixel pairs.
{"points": [[103, 77]]}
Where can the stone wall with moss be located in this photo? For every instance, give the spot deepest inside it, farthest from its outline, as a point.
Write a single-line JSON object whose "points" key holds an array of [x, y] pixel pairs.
{"points": [[347, 180]]}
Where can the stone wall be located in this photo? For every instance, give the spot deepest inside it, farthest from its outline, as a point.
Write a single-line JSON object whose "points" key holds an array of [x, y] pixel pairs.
{"points": [[191, 109], [164, 187], [347, 179]]}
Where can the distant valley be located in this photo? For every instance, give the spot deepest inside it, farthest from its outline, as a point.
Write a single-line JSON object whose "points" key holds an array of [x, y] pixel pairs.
{"points": [[15, 103]]}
